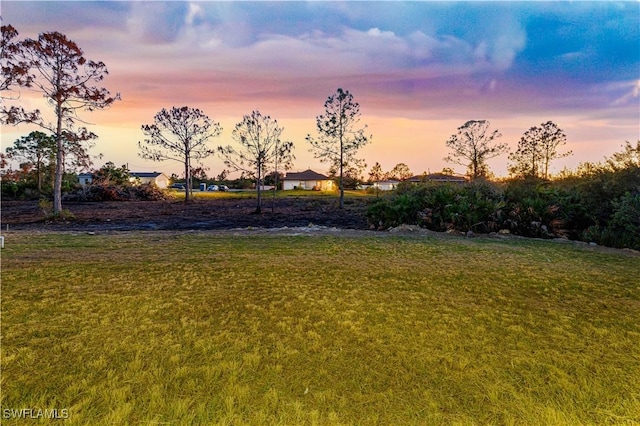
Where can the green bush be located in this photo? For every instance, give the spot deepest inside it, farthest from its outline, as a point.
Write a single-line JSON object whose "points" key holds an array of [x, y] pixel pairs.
{"points": [[624, 228], [439, 207]]}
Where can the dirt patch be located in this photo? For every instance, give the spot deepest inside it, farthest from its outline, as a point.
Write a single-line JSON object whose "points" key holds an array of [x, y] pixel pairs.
{"points": [[208, 214], [291, 216]]}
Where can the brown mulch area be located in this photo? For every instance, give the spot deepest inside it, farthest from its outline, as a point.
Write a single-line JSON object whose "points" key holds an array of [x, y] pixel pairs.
{"points": [[209, 214]]}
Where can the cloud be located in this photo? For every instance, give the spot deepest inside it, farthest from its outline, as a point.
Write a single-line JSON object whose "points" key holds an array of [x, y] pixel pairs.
{"points": [[158, 22], [626, 93]]}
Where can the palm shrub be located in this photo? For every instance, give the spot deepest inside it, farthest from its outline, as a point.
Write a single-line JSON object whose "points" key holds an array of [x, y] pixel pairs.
{"points": [[440, 207], [536, 208], [478, 207], [623, 230]]}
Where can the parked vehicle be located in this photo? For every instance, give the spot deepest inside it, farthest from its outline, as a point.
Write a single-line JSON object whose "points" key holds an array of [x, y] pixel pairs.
{"points": [[178, 186], [212, 188], [223, 188]]}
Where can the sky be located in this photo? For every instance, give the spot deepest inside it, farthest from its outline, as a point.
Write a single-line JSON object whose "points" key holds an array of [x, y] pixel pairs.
{"points": [[419, 70]]}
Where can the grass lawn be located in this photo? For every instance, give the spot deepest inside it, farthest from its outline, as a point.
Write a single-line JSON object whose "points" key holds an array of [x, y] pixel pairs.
{"points": [[165, 328]]}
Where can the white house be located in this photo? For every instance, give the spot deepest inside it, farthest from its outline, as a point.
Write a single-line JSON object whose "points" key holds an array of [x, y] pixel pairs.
{"points": [[307, 180], [386, 185], [159, 179], [85, 179]]}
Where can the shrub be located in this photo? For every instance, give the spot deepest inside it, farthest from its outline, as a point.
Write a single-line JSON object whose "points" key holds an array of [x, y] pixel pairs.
{"points": [[439, 207], [624, 227], [536, 208], [98, 192]]}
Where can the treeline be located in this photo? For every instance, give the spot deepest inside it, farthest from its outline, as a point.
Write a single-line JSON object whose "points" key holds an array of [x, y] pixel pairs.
{"points": [[598, 203]]}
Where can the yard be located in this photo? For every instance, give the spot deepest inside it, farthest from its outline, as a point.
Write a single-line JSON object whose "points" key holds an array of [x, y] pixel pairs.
{"points": [[259, 327]]}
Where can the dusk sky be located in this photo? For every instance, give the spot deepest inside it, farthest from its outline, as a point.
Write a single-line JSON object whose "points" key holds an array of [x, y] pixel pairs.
{"points": [[418, 69]]}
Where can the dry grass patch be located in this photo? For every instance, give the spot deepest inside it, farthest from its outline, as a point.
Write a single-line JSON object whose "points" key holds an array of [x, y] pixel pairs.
{"points": [[254, 329]]}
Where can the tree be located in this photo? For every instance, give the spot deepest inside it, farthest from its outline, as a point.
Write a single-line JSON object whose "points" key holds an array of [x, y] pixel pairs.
{"points": [[537, 147], [110, 174], [200, 173], [222, 176], [399, 172], [38, 149], [64, 76], [473, 145], [376, 173], [260, 146], [339, 137], [352, 175], [629, 158], [15, 74], [179, 134]]}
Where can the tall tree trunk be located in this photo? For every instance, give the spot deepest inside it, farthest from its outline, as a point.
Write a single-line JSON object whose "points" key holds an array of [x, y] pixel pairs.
{"points": [[187, 188], [57, 184], [40, 176], [275, 181], [259, 184], [341, 178], [341, 159]]}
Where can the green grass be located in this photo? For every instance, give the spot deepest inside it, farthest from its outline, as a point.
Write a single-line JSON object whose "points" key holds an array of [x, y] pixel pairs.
{"points": [[155, 328]]}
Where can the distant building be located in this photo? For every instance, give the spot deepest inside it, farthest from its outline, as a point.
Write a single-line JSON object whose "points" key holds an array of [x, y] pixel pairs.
{"points": [[159, 179], [85, 179], [437, 177], [386, 185], [307, 180]]}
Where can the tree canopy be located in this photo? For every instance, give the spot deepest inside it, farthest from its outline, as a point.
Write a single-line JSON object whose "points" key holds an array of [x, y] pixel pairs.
{"points": [[376, 173], [38, 149], [15, 74], [339, 135], [473, 145], [537, 147], [56, 67], [259, 146], [179, 134], [399, 172]]}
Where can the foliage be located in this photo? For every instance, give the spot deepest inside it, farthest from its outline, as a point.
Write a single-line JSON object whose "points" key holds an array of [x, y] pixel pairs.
{"points": [[23, 183], [441, 207], [399, 172], [473, 145], [260, 147], [598, 204], [376, 174], [339, 136], [46, 206], [112, 192], [536, 208], [469, 331], [58, 70], [179, 134], [109, 174], [624, 228], [536, 149], [351, 175], [38, 149], [15, 74]]}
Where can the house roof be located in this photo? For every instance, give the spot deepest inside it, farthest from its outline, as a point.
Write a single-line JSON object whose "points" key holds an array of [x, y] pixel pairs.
{"points": [[306, 175], [145, 174], [437, 177]]}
